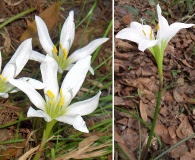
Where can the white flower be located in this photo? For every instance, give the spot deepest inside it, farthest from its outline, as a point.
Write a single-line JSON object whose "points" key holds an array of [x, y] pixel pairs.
{"points": [[56, 105], [143, 34], [66, 40], [14, 67]]}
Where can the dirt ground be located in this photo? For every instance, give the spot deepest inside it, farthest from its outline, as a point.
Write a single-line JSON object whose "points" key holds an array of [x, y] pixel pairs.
{"points": [[136, 84], [15, 32]]}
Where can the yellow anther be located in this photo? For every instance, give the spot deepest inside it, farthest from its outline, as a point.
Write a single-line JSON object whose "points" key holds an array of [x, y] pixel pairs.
{"points": [[61, 93], [61, 99], [3, 79], [158, 27], [50, 94], [55, 51], [64, 51], [65, 54], [151, 33], [144, 32]]}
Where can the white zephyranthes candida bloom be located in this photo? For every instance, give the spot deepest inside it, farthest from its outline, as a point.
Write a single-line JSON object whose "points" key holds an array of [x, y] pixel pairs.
{"points": [[14, 67], [143, 35], [56, 105], [64, 61]]}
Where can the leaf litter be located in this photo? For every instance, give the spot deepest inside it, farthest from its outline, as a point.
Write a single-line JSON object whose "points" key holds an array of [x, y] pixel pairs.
{"points": [[10, 38], [136, 86]]}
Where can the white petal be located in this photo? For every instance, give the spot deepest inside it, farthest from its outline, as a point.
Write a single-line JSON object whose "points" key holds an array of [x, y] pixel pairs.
{"points": [[144, 44], [75, 120], [44, 37], [84, 107], [35, 83], [68, 32], [38, 113], [49, 69], [0, 61], [4, 95], [137, 36], [32, 94], [174, 28], [19, 59], [162, 24], [87, 50], [74, 79], [9, 70], [36, 56], [91, 70]]}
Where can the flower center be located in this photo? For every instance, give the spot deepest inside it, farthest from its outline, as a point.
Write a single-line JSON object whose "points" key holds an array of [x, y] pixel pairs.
{"points": [[54, 106], [3, 84]]}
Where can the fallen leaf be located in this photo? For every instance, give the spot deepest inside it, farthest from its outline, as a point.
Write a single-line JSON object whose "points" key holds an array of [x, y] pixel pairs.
{"points": [[49, 16], [162, 132], [178, 151], [185, 129], [143, 110], [177, 96]]}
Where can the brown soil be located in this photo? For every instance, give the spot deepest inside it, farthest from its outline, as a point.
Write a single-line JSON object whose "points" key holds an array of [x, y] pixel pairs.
{"points": [[136, 85]]}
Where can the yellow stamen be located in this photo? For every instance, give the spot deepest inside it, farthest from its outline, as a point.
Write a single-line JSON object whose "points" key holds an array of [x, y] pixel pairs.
{"points": [[3, 79], [50, 94], [55, 51], [61, 99], [64, 51], [144, 32], [158, 27], [150, 33], [65, 54]]}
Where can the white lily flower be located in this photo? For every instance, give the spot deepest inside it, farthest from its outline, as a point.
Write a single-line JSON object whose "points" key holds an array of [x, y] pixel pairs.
{"points": [[56, 105], [143, 35], [14, 67], [66, 40]]}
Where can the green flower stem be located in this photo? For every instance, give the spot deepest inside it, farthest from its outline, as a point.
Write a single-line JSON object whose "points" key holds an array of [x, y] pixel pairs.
{"points": [[45, 138], [145, 152], [16, 17], [59, 76]]}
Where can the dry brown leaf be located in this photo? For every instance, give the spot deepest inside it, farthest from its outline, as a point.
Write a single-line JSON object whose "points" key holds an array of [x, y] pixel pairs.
{"points": [[178, 151], [87, 141], [187, 156], [118, 101], [30, 152], [186, 63], [127, 151], [185, 129], [162, 131], [118, 138], [86, 149], [143, 110], [131, 138], [177, 96], [172, 131], [5, 134], [49, 16]]}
